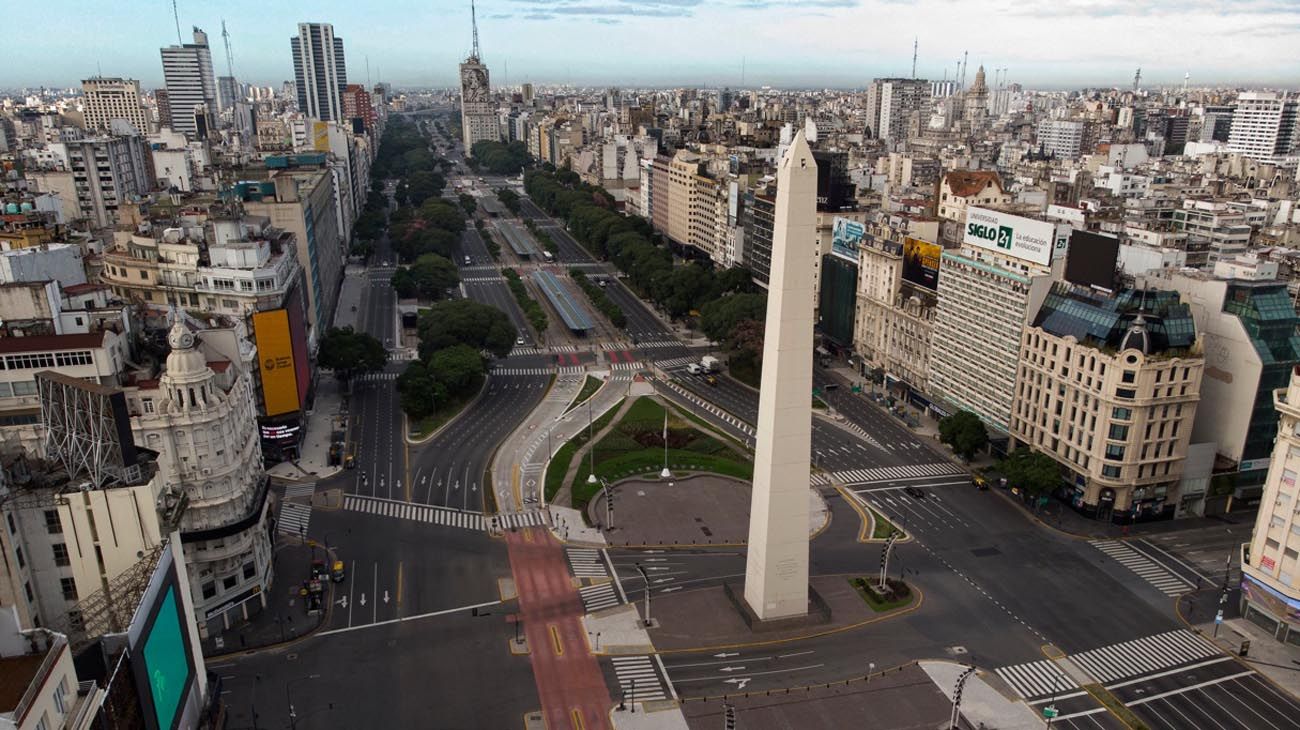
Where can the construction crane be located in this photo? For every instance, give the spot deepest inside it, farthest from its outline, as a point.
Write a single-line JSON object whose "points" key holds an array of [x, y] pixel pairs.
{"points": [[230, 59]]}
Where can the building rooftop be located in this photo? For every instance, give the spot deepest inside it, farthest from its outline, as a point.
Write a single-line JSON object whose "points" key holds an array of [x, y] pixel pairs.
{"points": [[16, 676], [1111, 321], [965, 183], [574, 316], [9, 345]]}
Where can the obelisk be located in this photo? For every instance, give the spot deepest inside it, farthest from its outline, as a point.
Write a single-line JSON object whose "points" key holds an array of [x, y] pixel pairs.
{"points": [[776, 569]]}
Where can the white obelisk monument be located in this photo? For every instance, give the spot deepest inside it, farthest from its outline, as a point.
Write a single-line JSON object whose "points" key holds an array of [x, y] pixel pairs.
{"points": [[776, 570]]}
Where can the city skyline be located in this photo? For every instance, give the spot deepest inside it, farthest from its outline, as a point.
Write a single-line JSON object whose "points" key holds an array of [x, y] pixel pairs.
{"points": [[646, 43]]}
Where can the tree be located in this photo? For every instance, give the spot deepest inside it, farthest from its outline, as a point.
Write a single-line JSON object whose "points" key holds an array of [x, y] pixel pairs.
{"points": [[718, 318], [442, 214], [964, 432], [429, 278], [466, 322], [457, 368], [509, 199], [349, 353], [419, 393], [1032, 471], [468, 203]]}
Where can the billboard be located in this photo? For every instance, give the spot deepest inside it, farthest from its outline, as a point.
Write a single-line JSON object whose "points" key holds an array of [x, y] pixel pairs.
{"points": [[846, 236], [276, 362], [1066, 213], [921, 262], [320, 136], [1013, 235], [162, 642], [1091, 260]]}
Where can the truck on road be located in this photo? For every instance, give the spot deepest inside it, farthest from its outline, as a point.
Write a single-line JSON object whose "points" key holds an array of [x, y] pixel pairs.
{"points": [[710, 364]]}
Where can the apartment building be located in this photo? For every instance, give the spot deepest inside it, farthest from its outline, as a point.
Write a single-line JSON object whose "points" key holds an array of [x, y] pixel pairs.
{"points": [[1266, 127], [960, 189], [107, 99], [1270, 591], [192, 100], [1214, 227], [1108, 386], [107, 173]]}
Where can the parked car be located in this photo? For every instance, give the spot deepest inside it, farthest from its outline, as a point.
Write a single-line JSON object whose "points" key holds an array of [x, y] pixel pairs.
{"points": [[914, 492], [979, 481]]}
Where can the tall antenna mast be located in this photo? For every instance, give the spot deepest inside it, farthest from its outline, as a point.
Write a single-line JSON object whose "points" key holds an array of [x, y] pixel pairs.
{"points": [[367, 70], [1137, 79], [176, 14], [473, 19], [964, 56], [915, 41], [742, 72], [230, 59]]}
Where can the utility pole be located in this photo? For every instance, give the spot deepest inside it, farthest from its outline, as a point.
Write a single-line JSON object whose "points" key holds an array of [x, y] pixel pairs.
{"points": [[645, 578]]}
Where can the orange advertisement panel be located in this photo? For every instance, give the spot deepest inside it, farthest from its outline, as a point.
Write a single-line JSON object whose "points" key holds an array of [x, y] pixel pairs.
{"points": [[275, 360], [320, 135]]}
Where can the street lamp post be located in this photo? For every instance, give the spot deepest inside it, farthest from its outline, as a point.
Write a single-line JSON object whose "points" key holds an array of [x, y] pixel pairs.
{"points": [[591, 447], [293, 716], [645, 578]]}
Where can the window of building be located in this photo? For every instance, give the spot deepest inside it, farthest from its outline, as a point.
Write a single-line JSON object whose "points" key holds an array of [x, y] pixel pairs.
{"points": [[1121, 414], [18, 552], [52, 523], [229, 303], [1118, 432], [144, 275], [69, 588], [147, 404], [60, 554], [1114, 453], [209, 589], [59, 691], [250, 570], [1129, 376], [27, 588], [1125, 393], [1276, 521], [24, 387], [1110, 471], [229, 582]]}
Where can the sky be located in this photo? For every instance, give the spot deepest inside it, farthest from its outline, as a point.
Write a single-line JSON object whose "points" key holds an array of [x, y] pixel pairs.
{"points": [[639, 43]]}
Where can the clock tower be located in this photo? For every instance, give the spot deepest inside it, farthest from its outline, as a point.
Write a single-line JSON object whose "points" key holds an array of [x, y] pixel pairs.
{"points": [[478, 118]]}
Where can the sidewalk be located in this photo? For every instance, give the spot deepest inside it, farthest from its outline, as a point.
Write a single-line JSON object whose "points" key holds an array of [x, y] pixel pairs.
{"points": [[1275, 660], [981, 705], [284, 618], [326, 416]]}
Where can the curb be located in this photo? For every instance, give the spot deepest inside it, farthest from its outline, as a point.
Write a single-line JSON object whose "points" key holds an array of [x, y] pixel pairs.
{"points": [[406, 424]]}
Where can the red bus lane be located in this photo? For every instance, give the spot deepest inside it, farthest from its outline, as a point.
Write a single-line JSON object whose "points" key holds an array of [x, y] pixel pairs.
{"points": [[569, 681]]}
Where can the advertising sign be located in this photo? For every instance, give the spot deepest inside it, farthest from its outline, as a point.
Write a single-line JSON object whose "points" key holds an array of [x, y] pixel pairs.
{"points": [[846, 236], [1066, 213], [163, 653], [276, 362], [921, 262], [320, 136], [1013, 235]]}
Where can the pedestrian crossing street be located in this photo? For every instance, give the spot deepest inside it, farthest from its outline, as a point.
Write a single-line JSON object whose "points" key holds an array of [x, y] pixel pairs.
{"points": [[562, 348], [1145, 568], [637, 678], [856, 477], [676, 362], [482, 279], [522, 350], [1135, 658], [652, 344], [441, 515], [294, 519], [299, 489], [1037, 679], [1145, 655], [586, 562], [566, 370], [708, 407], [862, 434], [626, 365], [599, 596], [404, 354], [375, 377]]}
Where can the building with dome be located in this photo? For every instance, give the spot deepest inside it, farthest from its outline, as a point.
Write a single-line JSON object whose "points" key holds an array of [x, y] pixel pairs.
{"points": [[201, 419], [1108, 386]]}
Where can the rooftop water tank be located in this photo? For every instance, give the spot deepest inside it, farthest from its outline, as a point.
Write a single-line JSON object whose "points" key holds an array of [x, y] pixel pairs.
{"points": [[11, 208]]}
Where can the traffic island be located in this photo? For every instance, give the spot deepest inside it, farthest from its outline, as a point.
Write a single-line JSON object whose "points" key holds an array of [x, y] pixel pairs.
{"points": [[707, 618], [895, 594]]}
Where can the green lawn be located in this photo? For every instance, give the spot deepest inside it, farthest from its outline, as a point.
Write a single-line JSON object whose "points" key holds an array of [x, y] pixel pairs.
{"points": [[883, 527], [589, 389], [448, 411], [559, 465], [867, 590], [635, 446]]}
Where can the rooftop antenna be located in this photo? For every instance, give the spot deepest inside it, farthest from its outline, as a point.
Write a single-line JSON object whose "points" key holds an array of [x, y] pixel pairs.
{"points": [[473, 20], [1186, 75], [1137, 79], [230, 59], [964, 56], [742, 72], [367, 70], [176, 14], [915, 41]]}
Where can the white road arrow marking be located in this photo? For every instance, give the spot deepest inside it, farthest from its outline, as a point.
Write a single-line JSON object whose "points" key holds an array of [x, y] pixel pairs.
{"points": [[740, 682], [661, 580], [385, 597], [652, 552], [670, 590], [656, 560], [731, 669], [343, 602], [363, 599], [725, 654]]}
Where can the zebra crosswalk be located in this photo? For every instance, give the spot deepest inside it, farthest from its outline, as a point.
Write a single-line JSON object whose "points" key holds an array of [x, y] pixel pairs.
{"points": [[1036, 679], [1145, 655], [586, 562], [566, 370], [598, 596], [482, 279], [403, 354], [626, 366], [375, 377], [856, 477], [447, 517], [651, 344], [294, 519], [708, 407], [638, 679], [1144, 567], [522, 350], [676, 362], [299, 489]]}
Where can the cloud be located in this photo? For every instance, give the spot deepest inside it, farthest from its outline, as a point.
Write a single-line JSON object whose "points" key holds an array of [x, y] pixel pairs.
{"points": [[611, 11], [500, 16], [769, 4]]}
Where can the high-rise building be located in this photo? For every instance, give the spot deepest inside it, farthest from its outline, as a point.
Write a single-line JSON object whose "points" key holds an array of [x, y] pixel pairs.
{"points": [[164, 108], [889, 104], [478, 118], [1264, 126], [228, 91], [319, 71], [108, 172], [1061, 138], [357, 105], [1270, 592], [191, 86], [1108, 387], [113, 98]]}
